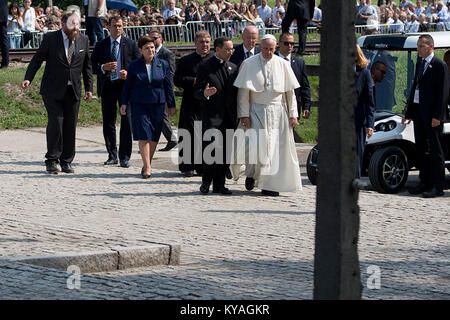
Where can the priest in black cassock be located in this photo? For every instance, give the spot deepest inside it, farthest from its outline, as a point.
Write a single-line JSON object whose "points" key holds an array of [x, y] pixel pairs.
{"points": [[214, 87], [190, 111]]}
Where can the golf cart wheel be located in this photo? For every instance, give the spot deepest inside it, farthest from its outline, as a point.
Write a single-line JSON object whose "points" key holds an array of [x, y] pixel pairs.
{"points": [[311, 166], [388, 169]]}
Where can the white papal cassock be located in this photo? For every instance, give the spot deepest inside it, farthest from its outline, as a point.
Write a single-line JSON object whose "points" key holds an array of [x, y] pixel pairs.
{"points": [[266, 96]]}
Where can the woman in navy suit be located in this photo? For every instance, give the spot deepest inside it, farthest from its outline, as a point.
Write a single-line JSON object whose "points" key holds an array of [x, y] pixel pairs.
{"points": [[365, 106], [147, 89]]}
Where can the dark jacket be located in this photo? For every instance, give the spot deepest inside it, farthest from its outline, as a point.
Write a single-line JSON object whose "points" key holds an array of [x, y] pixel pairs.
{"points": [[433, 92], [302, 9], [138, 88], [57, 71], [219, 111], [167, 55], [239, 56], [185, 75], [302, 94], [102, 54], [365, 104], [3, 11]]}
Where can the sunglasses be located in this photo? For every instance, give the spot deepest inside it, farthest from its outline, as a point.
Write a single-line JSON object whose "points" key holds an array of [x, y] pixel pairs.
{"points": [[287, 43]]}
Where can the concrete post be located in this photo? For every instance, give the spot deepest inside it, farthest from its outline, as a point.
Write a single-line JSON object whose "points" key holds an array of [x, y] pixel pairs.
{"points": [[336, 265]]}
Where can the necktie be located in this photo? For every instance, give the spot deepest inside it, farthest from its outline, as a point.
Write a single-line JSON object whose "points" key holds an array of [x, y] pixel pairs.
{"points": [[248, 54], [114, 50], [420, 68], [70, 52]]}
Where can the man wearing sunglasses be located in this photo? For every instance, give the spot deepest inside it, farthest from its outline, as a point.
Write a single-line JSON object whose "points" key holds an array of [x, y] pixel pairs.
{"points": [[302, 94]]}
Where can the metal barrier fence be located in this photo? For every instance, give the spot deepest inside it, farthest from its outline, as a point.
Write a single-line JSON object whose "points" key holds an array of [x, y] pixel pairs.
{"points": [[229, 28]]}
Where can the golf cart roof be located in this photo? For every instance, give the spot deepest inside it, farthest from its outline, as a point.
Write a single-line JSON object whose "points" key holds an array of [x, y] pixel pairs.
{"points": [[399, 41]]}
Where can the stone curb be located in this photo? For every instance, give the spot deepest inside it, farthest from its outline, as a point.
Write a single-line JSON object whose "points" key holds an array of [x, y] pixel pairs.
{"points": [[118, 258]]}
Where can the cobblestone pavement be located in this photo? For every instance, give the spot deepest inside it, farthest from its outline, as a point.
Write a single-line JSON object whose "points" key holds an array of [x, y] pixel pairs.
{"points": [[243, 246]]}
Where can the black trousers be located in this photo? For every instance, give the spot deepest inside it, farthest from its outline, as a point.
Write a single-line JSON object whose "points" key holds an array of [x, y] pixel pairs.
{"points": [[301, 29], [167, 129], [61, 127], [215, 172], [4, 44], [430, 154], [360, 144], [111, 99]]}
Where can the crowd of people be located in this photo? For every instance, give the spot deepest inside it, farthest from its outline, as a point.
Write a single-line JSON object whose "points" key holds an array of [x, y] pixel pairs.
{"points": [[28, 18], [403, 16]]}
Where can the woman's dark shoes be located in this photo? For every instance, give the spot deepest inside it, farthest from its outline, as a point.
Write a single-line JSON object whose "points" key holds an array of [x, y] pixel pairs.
{"points": [[433, 192], [145, 176], [52, 167], [270, 193], [249, 183], [111, 162], [67, 168], [204, 188], [222, 190]]}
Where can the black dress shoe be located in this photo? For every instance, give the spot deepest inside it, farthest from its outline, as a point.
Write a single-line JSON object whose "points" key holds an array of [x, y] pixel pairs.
{"points": [[188, 173], [228, 174], [146, 176], [170, 145], [420, 188], [67, 168], [204, 188], [249, 183], [222, 190], [270, 193], [52, 168], [433, 192], [110, 162], [125, 164]]}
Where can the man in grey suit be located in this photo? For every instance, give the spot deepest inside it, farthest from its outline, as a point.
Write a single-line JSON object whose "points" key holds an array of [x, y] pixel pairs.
{"points": [[66, 53], [165, 54], [4, 42]]}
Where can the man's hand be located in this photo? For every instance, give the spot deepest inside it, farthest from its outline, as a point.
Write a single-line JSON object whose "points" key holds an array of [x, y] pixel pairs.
{"points": [[123, 74], [245, 122], [209, 91], [404, 120], [109, 66], [25, 84], [369, 132], [123, 109], [172, 111], [435, 123], [293, 122], [306, 114], [87, 96]]}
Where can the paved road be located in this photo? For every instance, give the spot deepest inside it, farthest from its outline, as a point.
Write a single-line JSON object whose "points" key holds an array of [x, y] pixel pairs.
{"points": [[244, 246]]}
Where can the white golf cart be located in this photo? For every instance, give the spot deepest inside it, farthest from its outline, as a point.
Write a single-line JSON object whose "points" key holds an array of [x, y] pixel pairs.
{"points": [[390, 152]]}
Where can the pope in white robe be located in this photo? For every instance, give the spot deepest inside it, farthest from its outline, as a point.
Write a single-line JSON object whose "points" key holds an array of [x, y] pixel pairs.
{"points": [[267, 110]]}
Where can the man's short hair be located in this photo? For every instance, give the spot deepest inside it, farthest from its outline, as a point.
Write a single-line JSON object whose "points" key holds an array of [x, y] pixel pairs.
{"points": [[155, 31], [67, 15], [218, 43], [285, 34], [427, 39], [202, 34], [114, 18]]}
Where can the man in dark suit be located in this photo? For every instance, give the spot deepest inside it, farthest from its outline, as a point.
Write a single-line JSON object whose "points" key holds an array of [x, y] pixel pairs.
{"points": [[214, 87], [165, 54], [110, 61], [248, 47], [190, 111], [4, 41], [66, 54], [303, 11], [426, 107], [303, 94]]}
